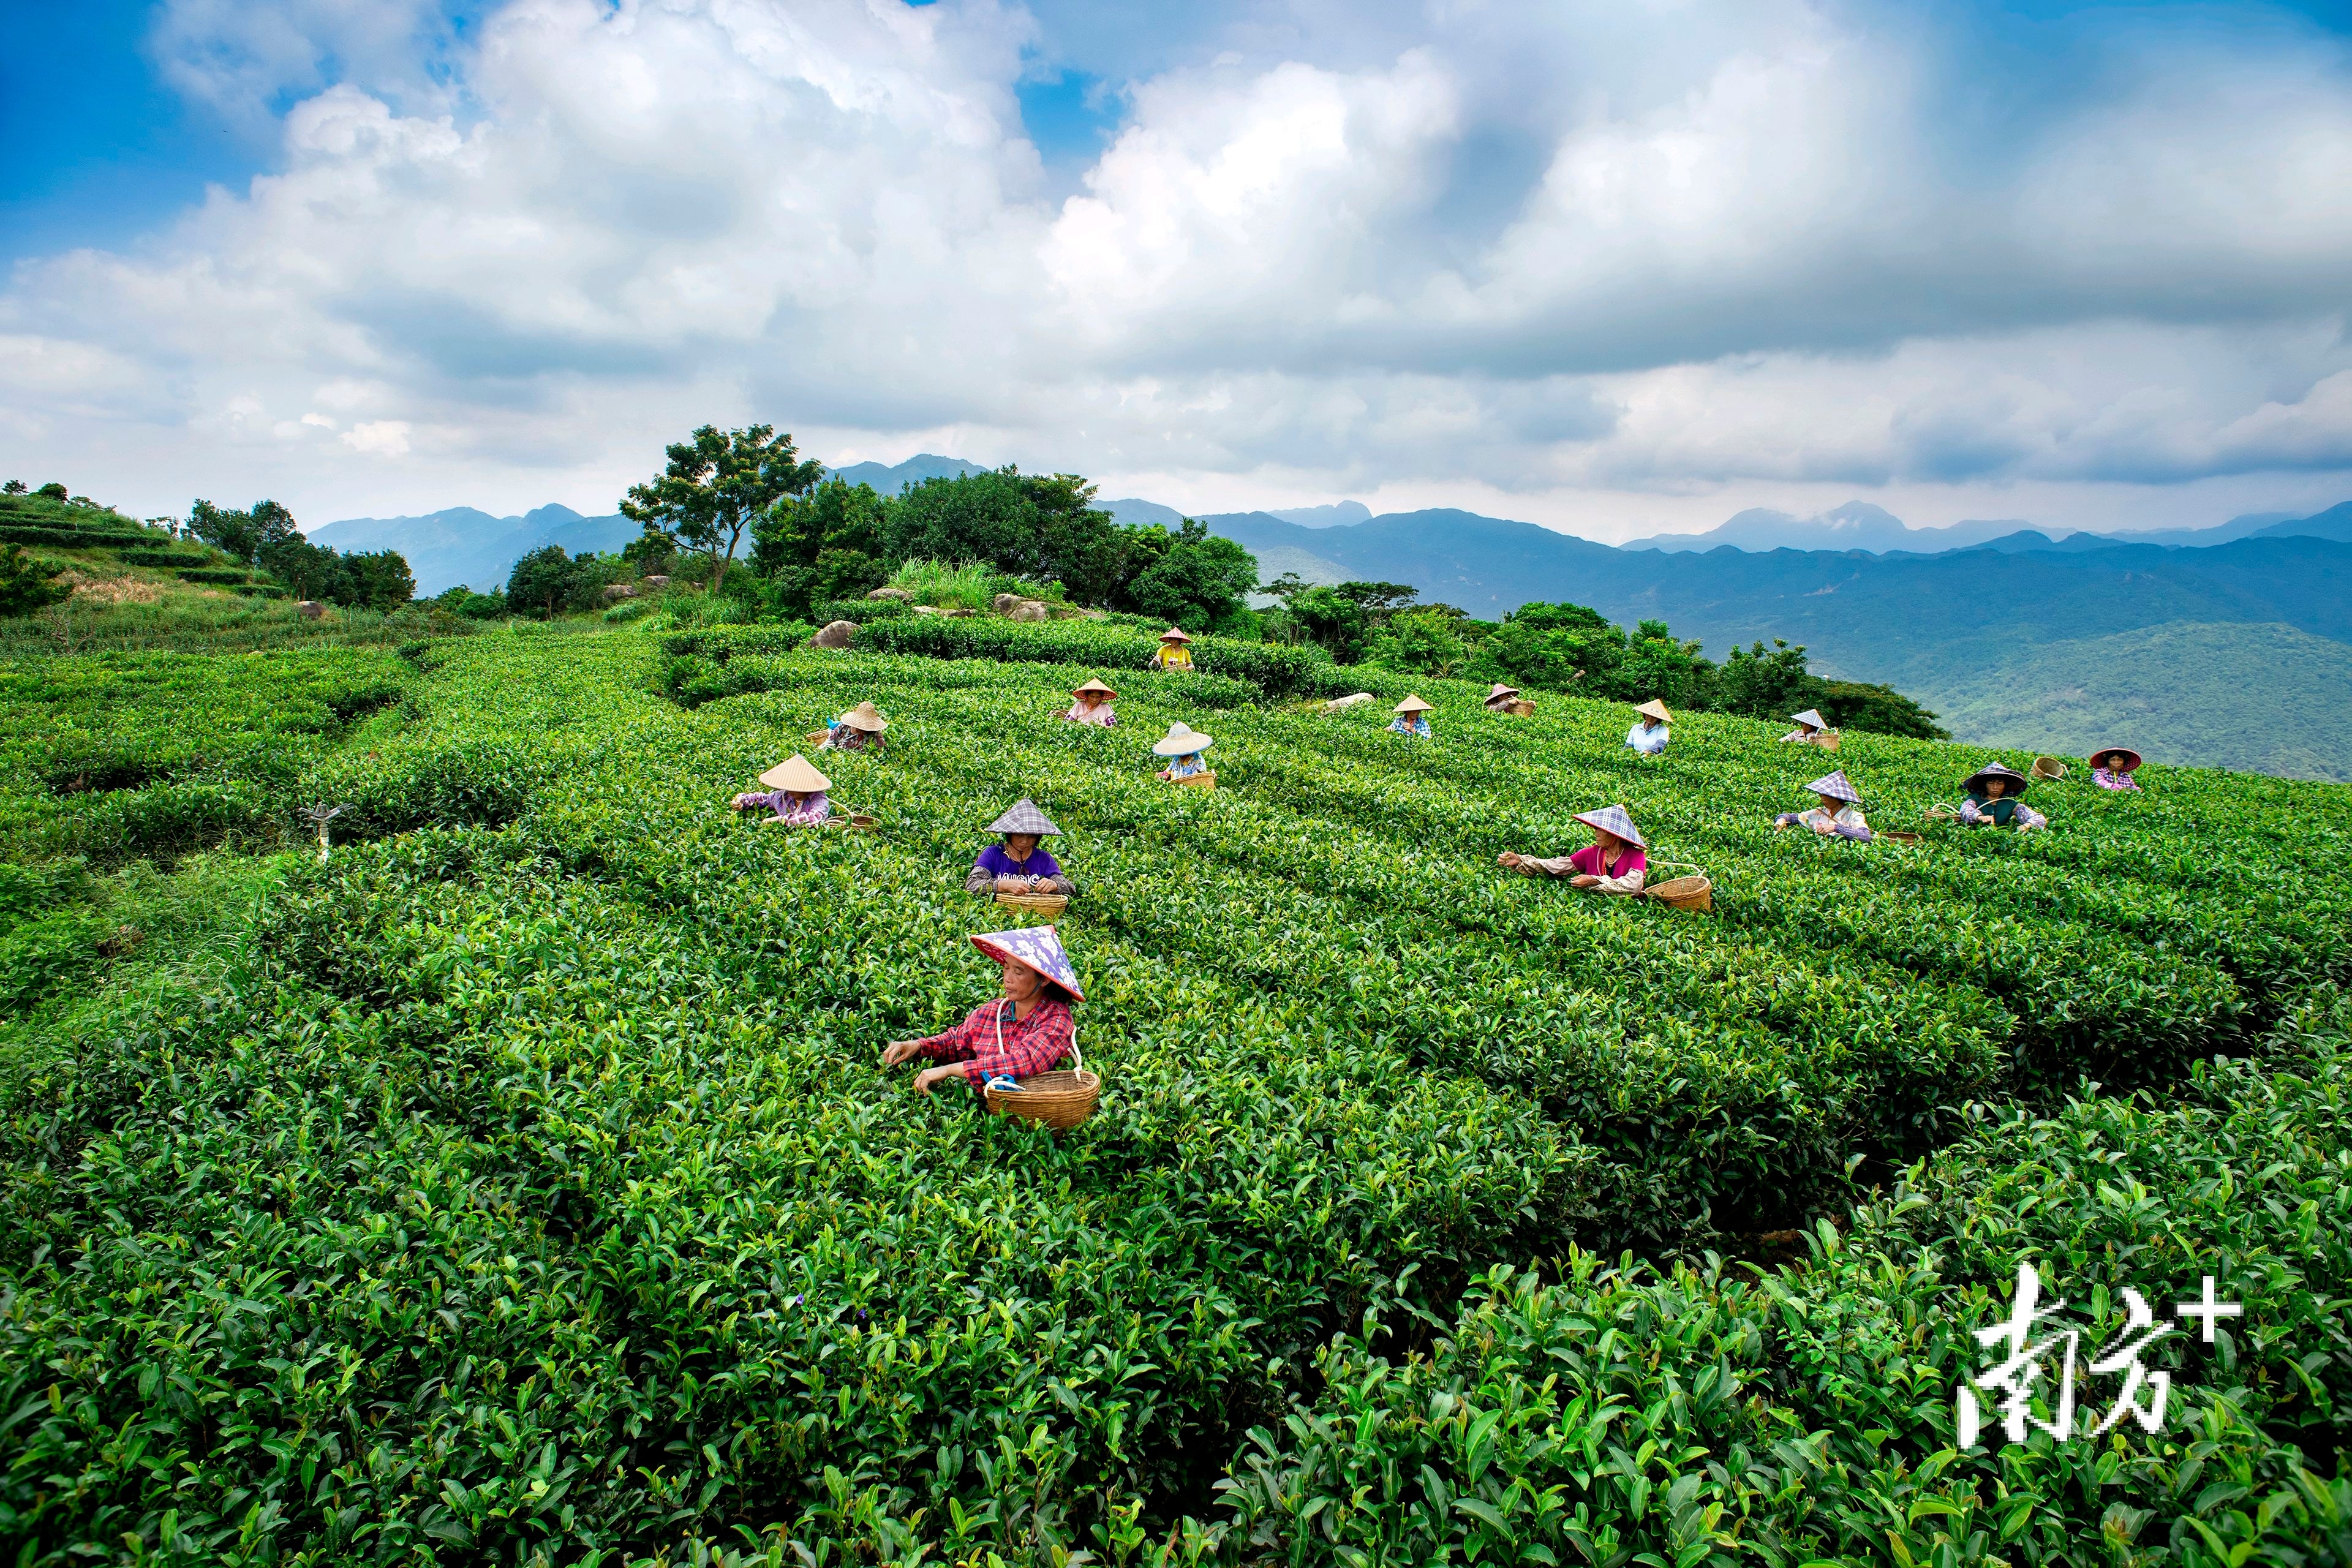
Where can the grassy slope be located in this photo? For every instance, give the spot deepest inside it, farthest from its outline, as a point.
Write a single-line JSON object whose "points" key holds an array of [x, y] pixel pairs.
{"points": [[563, 1038]]}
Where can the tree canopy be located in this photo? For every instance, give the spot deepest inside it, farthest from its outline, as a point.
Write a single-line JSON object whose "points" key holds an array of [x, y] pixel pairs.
{"points": [[717, 485]]}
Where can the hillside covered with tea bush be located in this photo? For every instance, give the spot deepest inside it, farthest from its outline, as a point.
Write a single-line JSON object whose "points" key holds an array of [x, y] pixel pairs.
{"points": [[520, 1184]]}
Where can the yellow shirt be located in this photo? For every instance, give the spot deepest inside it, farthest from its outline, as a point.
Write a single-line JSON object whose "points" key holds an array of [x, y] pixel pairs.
{"points": [[1173, 657]]}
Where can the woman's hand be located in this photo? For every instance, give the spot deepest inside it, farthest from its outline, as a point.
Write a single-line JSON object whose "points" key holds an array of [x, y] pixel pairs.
{"points": [[897, 1051], [930, 1076], [1508, 857], [1587, 881], [1010, 884], [1824, 829]]}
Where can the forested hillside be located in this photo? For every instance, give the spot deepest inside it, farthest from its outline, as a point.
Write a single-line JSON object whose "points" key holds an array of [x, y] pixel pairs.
{"points": [[520, 1184]]}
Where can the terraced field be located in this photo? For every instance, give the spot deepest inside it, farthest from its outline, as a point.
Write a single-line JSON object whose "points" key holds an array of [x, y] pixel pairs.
{"points": [[520, 1184]]}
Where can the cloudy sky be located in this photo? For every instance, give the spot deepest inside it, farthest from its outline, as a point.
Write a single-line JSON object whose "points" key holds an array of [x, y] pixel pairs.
{"points": [[1613, 267]]}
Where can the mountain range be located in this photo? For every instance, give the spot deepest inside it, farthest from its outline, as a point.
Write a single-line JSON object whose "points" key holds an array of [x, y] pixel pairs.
{"points": [[2233, 654]]}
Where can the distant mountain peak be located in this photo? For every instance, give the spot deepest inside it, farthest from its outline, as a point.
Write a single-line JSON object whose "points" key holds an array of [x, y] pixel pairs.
{"points": [[1339, 514]]}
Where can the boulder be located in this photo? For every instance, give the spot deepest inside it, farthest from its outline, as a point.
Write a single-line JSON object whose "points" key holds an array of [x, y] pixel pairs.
{"points": [[887, 593], [1007, 603], [1030, 610], [836, 633], [310, 609], [1341, 704], [926, 609], [619, 591], [658, 580]]}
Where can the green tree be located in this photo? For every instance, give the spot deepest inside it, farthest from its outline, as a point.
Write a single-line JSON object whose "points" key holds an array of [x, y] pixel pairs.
{"points": [[541, 580], [27, 584], [826, 544], [1878, 710], [51, 491], [717, 485], [1346, 618], [1766, 684], [379, 580], [13, 487], [1044, 528], [1421, 641], [244, 534], [1195, 579]]}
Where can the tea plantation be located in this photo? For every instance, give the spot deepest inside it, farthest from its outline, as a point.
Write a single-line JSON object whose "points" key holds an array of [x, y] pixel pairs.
{"points": [[520, 1185]]}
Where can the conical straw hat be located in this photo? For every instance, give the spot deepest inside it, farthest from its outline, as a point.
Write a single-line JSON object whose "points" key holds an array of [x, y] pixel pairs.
{"points": [[2017, 782], [1413, 704], [1654, 709], [1175, 633], [796, 774], [866, 717], [1836, 786], [1094, 688], [1039, 948], [1181, 741], [1613, 820], [1810, 716], [1502, 690], [2131, 757], [1025, 818]]}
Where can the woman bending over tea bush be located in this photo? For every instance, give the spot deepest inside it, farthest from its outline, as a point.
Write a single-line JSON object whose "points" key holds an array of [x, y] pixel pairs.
{"points": [[1028, 1029]]}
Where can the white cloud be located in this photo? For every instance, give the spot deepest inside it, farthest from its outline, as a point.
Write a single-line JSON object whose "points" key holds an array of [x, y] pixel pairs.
{"points": [[1688, 250], [388, 437]]}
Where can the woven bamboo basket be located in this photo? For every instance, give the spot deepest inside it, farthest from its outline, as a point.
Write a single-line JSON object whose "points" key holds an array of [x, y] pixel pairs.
{"points": [[1941, 812], [1827, 740], [815, 737], [1695, 892], [1522, 708], [2049, 768], [1059, 1099], [1199, 781], [1050, 905], [854, 820]]}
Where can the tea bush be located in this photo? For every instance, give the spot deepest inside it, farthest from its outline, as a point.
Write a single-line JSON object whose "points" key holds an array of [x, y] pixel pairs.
{"points": [[520, 1184]]}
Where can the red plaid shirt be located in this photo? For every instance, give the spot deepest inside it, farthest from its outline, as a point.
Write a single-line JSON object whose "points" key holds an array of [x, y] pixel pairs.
{"points": [[992, 1041]]}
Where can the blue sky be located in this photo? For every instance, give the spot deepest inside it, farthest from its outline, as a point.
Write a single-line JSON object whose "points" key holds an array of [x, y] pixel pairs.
{"points": [[1615, 267]]}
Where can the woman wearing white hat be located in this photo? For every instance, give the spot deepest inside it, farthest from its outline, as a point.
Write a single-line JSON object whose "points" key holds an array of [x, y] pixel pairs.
{"points": [[1840, 813], [1411, 717], [1182, 745], [1810, 726], [795, 794], [1091, 705], [1615, 861], [1648, 735], [859, 729]]}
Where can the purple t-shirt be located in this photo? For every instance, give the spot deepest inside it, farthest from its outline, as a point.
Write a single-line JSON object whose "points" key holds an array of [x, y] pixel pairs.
{"points": [[997, 863]]}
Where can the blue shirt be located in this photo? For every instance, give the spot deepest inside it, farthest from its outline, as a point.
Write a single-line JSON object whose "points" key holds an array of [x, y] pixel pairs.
{"points": [[1646, 741]]}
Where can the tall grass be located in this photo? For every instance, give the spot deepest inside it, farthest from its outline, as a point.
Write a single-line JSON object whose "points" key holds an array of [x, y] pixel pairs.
{"points": [[967, 585]]}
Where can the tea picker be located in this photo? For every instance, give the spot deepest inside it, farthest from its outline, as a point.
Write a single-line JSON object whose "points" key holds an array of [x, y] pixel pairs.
{"points": [[796, 793], [1182, 746], [1649, 734], [1411, 717], [859, 729], [1506, 699], [1175, 650], [1615, 861], [1090, 704], [2113, 769], [1811, 730], [1006, 1048], [1839, 814], [1995, 800], [1017, 870]]}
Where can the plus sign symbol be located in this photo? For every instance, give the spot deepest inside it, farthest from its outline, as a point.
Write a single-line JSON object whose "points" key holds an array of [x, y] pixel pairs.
{"points": [[2208, 1310]]}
